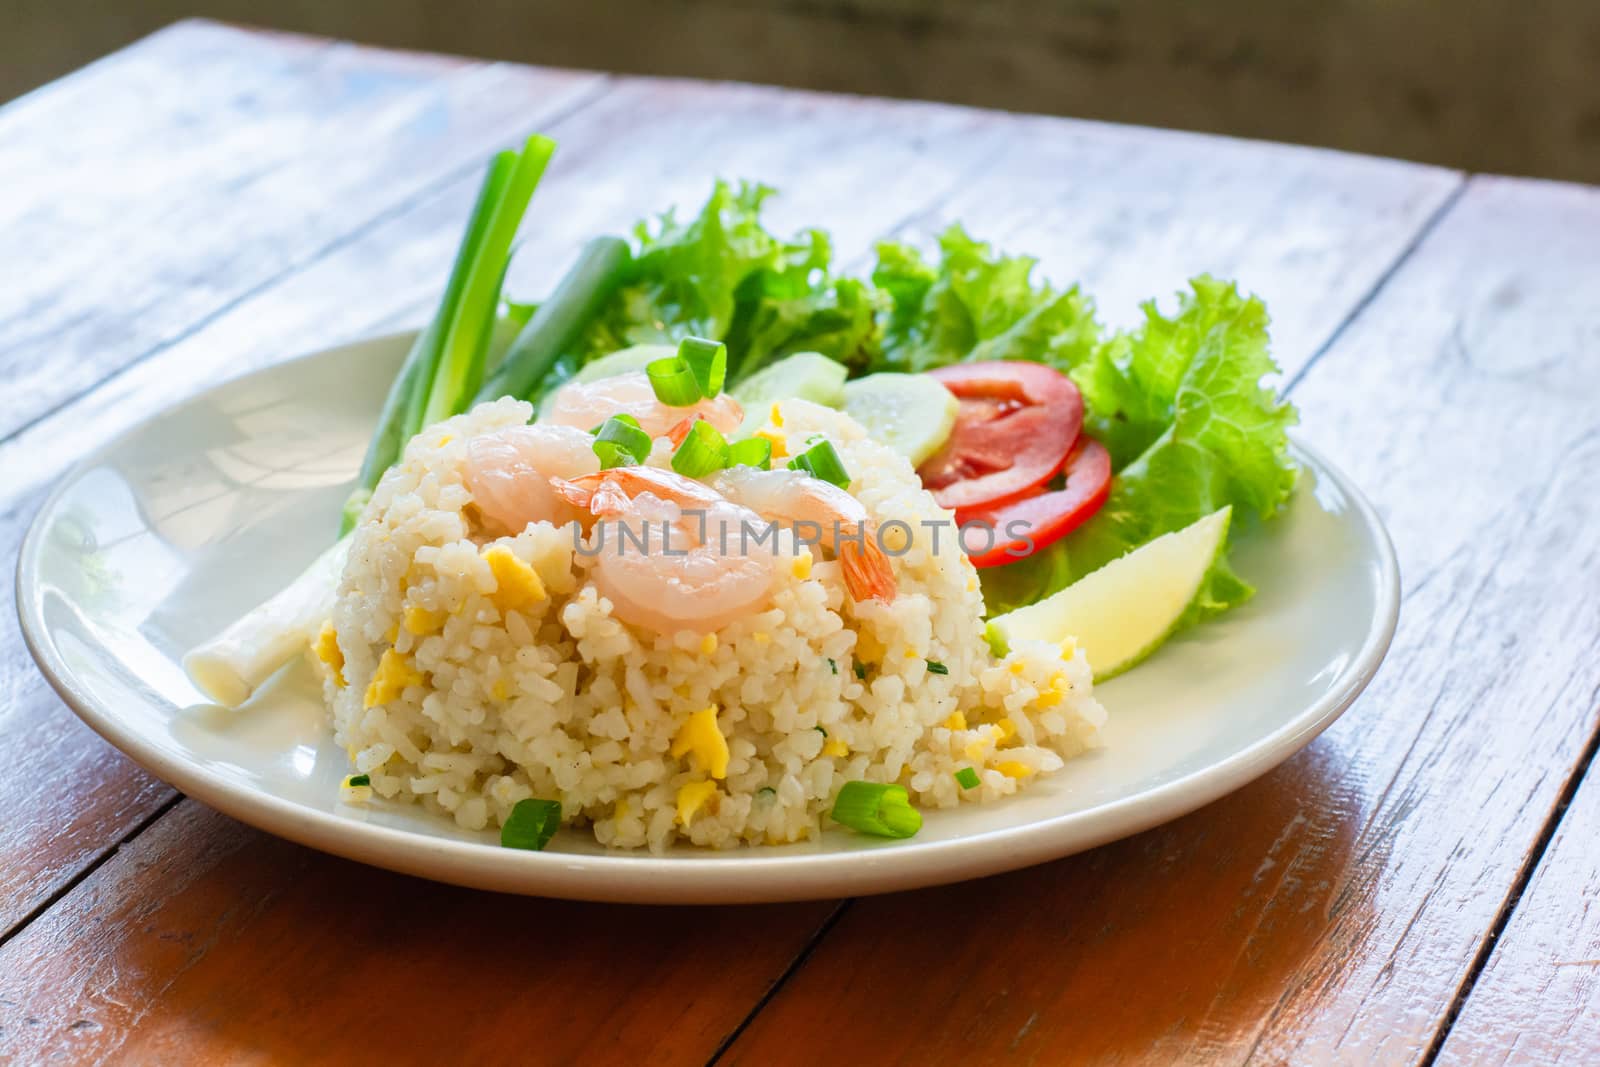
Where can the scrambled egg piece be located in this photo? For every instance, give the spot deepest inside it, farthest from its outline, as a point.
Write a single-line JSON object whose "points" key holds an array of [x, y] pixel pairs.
{"points": [[956, 721], [802, 565], [516, 584], [419, 620], [692, 797], [835, 747], [394, 673], [701, 736], [327, 650], [780, 440], [1013, 769]]}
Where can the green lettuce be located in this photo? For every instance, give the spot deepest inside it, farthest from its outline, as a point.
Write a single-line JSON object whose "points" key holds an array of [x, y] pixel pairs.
{"points": [[723, 274], [1180, 405], [976, 305]]}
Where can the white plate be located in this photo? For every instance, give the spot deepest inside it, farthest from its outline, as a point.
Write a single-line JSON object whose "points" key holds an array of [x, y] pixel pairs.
{"points": [[179, 526]]}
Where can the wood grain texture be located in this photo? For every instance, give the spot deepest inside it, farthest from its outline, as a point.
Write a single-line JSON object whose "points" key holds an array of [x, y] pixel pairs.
{"points": [[1538, 1000], [1330, 912], [256, 950], [207, 161]]}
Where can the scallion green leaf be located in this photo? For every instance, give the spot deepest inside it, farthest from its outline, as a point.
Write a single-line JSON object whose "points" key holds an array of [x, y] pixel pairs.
{"points": [[703, 451], [967, 778], [877, 808], [708, 360], [357, 780], [673, 382], [619, 442], [861, 670], [935, 667], [822, 461], [531, 825], [751, 452], [832, 666]]}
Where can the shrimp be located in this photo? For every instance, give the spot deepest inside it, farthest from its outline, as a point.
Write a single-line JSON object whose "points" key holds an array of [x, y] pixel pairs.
{"points": [[587, 404], [678, 558], [508, 473], [844, 527]]}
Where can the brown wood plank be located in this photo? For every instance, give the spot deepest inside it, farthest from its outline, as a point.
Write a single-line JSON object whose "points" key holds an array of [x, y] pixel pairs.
{"points": [[1330, 911], [179, 177], [1538, 1000], [204, 942]]}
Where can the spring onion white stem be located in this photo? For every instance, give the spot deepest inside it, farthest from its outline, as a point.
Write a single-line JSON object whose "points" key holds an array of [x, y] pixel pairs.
{"points": [[231, 666]]}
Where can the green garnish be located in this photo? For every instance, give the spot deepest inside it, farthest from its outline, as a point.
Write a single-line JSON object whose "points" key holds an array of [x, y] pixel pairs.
{"points": [[556, 324], [832, 666], [703, 451], [443, 370], [822, 461], [356, 780], [673, 382], [861, 670], [967, 777], [820, 730], [935, 667], [876, 808], [531, 825], [766, 791], [619, 441], [751, 452], [708, 360]]}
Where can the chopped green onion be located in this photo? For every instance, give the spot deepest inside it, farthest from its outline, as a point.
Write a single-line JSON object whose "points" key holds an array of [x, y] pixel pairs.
{"points": [[877, 808], [935, 667], [708, 360], [355, 780], [832, 666], [766, 791], [618, 442], [702, 451], [531, 825], [822, 461], [673, 382], [967, 777], [820, 730], [751, 452], [861, 670]]}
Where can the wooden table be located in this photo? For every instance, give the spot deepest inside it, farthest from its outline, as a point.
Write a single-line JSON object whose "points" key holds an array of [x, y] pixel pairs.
{"points": [[1415, 885]]}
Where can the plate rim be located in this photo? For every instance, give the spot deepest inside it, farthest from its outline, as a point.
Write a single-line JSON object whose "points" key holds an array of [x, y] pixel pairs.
{"points": [[725, 879]]}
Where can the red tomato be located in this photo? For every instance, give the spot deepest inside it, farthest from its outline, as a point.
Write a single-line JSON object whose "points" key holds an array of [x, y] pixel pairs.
{"points": [[1017, 423], [1035, 519]]}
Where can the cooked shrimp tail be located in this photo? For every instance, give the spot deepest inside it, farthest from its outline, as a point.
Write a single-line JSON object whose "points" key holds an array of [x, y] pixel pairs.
{"points": [[867, 573]]}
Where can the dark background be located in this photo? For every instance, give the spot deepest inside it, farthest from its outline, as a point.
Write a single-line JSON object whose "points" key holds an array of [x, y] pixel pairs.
{"points": [[1503, 86]]}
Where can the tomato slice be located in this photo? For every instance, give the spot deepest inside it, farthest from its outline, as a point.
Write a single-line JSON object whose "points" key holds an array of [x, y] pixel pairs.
{"points": [[1016, 425], [1035, 519]]}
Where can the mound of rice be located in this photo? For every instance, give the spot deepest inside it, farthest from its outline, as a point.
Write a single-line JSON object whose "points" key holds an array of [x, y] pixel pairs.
{"points": [[456, 678]]}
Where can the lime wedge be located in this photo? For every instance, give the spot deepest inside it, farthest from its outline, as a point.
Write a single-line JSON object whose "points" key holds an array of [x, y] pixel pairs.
{"points": [[910, 413], [1124, 611]]}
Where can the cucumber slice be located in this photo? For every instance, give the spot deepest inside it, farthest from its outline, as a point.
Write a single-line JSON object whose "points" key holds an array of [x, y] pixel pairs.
{"points": [[804, 375], [622, 361], [911, 413], [1125, 610]]}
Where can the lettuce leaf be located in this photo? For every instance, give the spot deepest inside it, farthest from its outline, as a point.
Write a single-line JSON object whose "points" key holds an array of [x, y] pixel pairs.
{"points": [[976, 305], [1181, 406], [723, 274]]}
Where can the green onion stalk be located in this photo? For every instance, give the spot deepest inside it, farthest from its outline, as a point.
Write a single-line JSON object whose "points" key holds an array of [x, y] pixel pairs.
{"points": [[444, 373]]}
